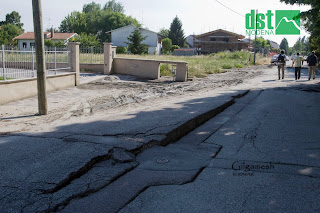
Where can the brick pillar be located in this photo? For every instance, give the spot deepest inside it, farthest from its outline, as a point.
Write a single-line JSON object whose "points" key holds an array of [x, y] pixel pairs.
{"points": [[181, 73], [107, 58], [74, 60]]}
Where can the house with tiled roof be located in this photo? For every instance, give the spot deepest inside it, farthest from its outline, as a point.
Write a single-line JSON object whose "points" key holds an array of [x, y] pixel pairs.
{"points": [[26, 40], [219, 40]]}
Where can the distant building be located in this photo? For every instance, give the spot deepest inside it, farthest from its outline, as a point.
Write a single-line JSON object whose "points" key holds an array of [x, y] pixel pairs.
{"points": [[274, 45], [119, 37], [189, 40], [219, 40], [26, 40]]}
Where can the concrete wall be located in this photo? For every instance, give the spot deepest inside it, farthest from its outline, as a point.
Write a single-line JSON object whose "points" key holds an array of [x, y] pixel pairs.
{"points": [[96, 68], [147, 69], [14, 90]]}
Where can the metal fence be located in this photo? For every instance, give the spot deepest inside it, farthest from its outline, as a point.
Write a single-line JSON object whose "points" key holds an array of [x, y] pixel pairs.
{"points": [[91, 55], [17, 64]]}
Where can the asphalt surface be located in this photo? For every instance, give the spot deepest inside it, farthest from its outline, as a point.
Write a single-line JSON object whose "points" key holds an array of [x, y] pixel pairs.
{"points": [[254, 151]]}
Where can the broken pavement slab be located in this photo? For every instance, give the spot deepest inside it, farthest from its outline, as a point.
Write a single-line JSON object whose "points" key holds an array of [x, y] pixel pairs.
{"points": [[54, 167]]}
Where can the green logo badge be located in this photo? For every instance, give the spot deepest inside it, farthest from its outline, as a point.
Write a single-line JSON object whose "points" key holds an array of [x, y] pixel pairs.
{"points": [[287, 22], [282, 22]]}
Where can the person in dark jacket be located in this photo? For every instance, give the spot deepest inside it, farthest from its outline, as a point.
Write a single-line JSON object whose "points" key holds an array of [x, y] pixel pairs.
{"points": [[282, 58], [312, 63]]}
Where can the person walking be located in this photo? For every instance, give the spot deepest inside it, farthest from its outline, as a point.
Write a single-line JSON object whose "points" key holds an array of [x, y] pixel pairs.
{"points": [[312, 63], [297, 65], [282, 58]]}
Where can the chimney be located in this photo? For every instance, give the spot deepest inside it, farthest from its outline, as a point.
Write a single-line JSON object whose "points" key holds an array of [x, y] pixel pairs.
{"points": [[52, 32]]}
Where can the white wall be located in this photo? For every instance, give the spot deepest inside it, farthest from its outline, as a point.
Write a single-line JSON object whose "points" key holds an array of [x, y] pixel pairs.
{"points": [[20, 44], [189, 40], [120, 37]]}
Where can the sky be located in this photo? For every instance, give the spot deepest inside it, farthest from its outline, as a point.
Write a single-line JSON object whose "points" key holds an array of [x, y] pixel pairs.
{"points": [[197, 16]]}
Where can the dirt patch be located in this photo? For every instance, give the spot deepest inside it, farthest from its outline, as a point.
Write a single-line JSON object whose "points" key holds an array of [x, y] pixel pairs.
{"points": [[116, 92]]}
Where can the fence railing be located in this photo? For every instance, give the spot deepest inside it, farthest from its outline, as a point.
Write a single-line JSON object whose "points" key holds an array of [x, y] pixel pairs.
{"points": [[91, 55], [16, 64]]}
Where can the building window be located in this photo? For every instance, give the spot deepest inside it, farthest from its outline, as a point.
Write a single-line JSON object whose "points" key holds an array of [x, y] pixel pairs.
{"points": [[226, 39], [212, 39], [24, 45], [32, 44]]}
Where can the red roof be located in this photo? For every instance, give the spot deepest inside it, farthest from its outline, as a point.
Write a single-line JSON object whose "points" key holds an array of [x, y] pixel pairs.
{"points": [[56, 36]]}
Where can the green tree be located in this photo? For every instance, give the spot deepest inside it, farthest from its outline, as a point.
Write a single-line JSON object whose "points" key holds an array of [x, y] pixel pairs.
{"points": [[135, 45], [8, 32], [91, 7], [164, 32], [166, 45], [262, 43], [114, 6], [301, 46], [49, 43], [13, 18], [59, 44], [75, 22], [87, 40], [284, 45], [176, 33], [97, 21], [311, 21]]}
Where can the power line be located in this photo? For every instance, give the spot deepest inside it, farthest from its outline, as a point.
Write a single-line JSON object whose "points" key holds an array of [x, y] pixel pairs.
{"points": [[230, 9]]}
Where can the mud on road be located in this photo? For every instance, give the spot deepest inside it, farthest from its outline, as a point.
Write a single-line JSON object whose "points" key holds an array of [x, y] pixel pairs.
{"points": [[127, 90], [112, 94]]}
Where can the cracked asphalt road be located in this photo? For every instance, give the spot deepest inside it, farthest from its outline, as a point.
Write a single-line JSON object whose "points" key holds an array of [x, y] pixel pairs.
{"points": [[268, 161], [94, 153]]}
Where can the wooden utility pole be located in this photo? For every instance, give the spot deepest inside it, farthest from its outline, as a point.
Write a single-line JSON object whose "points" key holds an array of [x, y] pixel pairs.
{"points": [[41, 66], [255, 39]]}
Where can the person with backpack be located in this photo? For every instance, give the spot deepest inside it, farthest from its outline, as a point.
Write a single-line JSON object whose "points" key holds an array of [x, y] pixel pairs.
{"points": [[297, 65], [282, 58], [312, 63]]}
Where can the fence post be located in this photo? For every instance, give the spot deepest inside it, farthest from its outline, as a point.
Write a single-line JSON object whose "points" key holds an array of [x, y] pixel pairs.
{"points": [[3, 63], [55, 60], [91, 54], [107, 58], [74, 60], [32, 52]]}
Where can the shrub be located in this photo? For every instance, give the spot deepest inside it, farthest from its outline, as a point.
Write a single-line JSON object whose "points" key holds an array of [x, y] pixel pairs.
{"points": [[121, 50], [166, 45], [174, 47], [165, 70]]}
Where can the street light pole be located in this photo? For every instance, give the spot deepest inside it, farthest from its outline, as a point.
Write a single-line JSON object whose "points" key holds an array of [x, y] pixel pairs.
{"points": [[40, 57]]}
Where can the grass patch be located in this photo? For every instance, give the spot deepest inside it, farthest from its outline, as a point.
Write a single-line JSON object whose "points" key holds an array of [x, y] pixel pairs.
{"points": [[227, 66], [1, 78], [201, 66]]}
